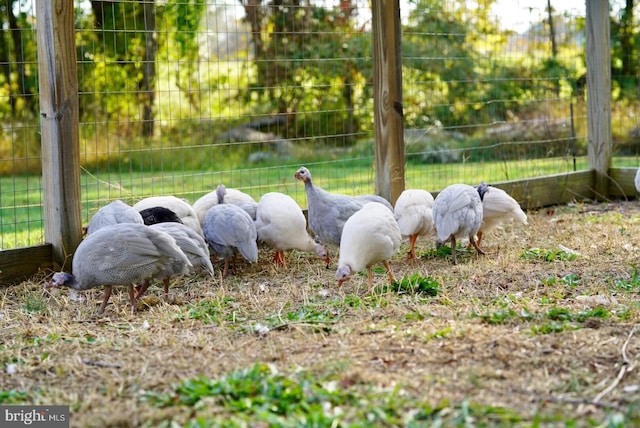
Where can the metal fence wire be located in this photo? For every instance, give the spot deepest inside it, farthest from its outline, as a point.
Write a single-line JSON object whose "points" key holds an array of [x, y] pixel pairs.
{"points": [[179, 96]]}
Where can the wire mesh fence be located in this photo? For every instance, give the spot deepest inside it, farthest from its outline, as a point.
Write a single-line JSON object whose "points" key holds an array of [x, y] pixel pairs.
{"points": [[179, 96]]}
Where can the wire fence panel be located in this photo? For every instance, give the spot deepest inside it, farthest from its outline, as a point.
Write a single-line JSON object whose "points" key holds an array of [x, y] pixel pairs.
{"points": [[179, 96]]}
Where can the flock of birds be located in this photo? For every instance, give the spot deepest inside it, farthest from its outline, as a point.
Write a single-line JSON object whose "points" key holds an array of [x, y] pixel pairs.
{"points": [[162, 237]]}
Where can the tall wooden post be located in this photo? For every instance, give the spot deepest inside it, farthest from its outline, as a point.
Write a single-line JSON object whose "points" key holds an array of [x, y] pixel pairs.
{"points": [[387, 101], [599, 92], [57, 73]]}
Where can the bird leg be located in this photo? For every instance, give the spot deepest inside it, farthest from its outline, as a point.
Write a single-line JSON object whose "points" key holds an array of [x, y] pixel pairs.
{"points": [[142, 289], [166, 288], [412, 249], [479, 238], [105, 299], [472, 239], [225, 271], [389, 273], [132, 298], [327, 260], [370, 278], [279, 259], [453, 249]]}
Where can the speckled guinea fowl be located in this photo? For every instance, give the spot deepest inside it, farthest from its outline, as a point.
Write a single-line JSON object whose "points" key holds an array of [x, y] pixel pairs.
{"points": [[113, 213], [229, 229], [414, 214], [457, 213], [155, 215], [281, 224], [371, 235], [498, 207], [328, 212], [123, 255], [222, 195], [192, 245]]}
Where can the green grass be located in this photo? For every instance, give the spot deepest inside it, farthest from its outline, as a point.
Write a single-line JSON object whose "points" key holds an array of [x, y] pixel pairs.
{"points": [[21, 213]]}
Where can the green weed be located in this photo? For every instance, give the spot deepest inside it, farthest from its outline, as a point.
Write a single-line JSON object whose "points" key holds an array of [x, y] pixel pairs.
{"points": [[415, 284], [548, 255]]}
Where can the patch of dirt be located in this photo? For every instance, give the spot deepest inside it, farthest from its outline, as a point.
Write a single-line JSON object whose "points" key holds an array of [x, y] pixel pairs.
{"points": [[482, 338]]}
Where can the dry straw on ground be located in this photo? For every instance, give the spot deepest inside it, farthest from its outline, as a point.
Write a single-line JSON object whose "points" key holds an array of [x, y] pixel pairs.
{"points": [[535, 336]]}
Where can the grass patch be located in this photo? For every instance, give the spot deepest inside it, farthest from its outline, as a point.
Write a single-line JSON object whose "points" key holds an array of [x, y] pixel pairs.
{"points": [[548, 255], [415, 284]]}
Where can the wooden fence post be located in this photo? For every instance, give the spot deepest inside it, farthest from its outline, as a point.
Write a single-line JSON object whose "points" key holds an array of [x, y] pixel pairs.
{"points": [[599, 93], [57, 73], [387, 102]]}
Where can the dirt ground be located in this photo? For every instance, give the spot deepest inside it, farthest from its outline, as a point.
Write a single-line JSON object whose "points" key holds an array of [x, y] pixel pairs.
{"points": [[510, 329]]}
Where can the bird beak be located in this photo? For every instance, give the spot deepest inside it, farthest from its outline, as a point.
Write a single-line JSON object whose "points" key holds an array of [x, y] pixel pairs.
{"points": [[340, 281]]}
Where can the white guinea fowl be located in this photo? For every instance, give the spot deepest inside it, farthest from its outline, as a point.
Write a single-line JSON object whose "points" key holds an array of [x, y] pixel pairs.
{"points": [[222, 195], [113, 213], [281, 224], [328, 212], [229, 229], [124, 254], [636, 180], [192, 245], [457, 213], [371, 235], [414, 214], [498, 207], [179, 206]]}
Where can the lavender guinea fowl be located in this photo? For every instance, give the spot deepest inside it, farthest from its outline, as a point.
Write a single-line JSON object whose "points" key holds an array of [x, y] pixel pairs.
{"points": [[113, 213], [457, 213], [229, 229], [328, 212], [123, 254], [192, 245]]}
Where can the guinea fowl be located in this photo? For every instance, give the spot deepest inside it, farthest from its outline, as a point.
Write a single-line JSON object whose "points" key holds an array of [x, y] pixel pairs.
{"points": [[457, 213], [113, 213], [414, 214], [222, 195], [281, 224], [179, 206], [192, 245], [156, 215], [123, 254], [498, 207], [371, 235], [636, 180], [229, 229], [328, 212]]}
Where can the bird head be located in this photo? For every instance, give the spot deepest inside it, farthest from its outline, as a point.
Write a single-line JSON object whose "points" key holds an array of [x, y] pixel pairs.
{"points": [[61, 279], [343, 273], [221, 191], [320, 249], [482, 189], [303, 174]]}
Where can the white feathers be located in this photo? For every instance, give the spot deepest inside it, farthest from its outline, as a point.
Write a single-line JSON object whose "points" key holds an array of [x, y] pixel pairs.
{"points": [[369, 236], [281, 224], [499, 208], [414, 214], [636, 180], [457, 213]]}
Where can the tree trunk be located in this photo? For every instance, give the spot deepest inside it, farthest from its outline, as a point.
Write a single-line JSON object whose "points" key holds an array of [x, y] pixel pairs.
{"points": [[552, 31], [5, 66], [626, 40], [149, 68], [16, 35]]}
